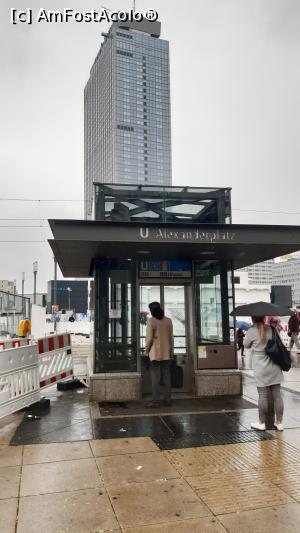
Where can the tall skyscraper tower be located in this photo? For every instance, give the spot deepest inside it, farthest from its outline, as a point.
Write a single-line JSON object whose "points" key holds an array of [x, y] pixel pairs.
{"points": [[127, 126]]}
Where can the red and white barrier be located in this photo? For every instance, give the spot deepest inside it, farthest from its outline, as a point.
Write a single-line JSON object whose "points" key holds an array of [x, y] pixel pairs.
{"points": [[55, 359], [19, 379], [55, 342], [25, 370], [6, 344]]}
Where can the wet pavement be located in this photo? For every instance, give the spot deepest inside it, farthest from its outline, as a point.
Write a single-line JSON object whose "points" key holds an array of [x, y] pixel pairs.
{"points": [[73, 470], [189, 422], [129, 485], [68, 419], [178, 405]]}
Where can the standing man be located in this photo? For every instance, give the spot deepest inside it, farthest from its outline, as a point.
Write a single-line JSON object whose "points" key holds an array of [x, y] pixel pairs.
{"points": [[293, 330], [159, 347]]}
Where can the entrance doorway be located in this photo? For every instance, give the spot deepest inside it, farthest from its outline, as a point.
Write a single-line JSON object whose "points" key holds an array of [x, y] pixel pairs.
{"points": [[175, 299]]}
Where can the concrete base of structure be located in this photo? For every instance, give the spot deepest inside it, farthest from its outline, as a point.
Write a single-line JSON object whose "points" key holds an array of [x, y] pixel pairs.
{"points": [[218, 383], [115, 387]]}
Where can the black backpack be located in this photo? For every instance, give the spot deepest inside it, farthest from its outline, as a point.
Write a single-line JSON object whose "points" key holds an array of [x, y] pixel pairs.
{"points": [[278, 352]]}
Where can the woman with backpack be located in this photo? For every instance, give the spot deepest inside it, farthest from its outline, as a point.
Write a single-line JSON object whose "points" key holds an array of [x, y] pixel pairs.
{"points": [[268, 375]]}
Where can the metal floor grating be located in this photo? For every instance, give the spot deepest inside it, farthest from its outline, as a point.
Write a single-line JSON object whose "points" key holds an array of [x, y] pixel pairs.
{"points": [[210, 439]]}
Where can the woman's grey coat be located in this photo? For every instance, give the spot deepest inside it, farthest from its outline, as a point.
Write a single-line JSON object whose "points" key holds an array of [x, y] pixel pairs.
{"points": [[266, 373]]}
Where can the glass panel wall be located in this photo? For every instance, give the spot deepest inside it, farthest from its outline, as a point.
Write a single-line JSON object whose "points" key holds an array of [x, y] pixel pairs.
{"points": [[172, 299], [148, 294], [214, 302], [115, 203], [208, 302], [115, 316], [174, 307]]}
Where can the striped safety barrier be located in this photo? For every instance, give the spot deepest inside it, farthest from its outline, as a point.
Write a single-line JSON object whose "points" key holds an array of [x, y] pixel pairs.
{"points": [[54, 379], [19, 378], [55, 359], [7, 344], [25, 370], [55, 342]]}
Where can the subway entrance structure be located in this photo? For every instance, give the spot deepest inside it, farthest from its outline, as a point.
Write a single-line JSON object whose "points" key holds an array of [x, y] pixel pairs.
{"points": [[175, 245]]}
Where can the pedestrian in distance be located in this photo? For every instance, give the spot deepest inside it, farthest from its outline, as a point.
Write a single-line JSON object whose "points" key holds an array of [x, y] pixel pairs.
{"points": [[240, 340], [159, 347], [293, 330], [268, 376], [274, 321]]}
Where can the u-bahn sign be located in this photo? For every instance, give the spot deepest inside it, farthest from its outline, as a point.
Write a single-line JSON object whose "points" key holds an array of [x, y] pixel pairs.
{"points": [[166, 234]]}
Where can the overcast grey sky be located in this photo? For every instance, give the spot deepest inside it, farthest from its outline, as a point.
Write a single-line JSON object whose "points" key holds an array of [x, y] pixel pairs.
{"points": [[235, 94]]}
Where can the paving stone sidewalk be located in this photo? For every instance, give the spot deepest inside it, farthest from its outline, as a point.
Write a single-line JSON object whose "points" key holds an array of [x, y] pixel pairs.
{"points": [[128, 485], [71, 471]]}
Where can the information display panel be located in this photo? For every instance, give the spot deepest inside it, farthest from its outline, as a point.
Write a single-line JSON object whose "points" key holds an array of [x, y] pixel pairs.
{"points": [[165, 269]]}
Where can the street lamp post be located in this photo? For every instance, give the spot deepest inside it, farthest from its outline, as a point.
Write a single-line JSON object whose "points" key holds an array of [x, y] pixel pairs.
{"points": [[35, 269], [23, 282], [15, 287], [69, 291], [23, 303]]}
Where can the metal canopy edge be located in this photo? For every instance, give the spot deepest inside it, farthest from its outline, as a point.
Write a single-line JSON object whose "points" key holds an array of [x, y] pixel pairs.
{"points": [[77, 243]]}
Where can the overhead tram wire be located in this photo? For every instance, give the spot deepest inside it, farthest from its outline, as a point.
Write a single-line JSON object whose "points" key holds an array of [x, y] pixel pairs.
{"points": [[40, 200], [21, 226], [23, 219], [82, 201], [24, 241]]}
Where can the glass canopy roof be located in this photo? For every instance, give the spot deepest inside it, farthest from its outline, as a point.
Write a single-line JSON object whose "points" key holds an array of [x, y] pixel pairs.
{"points": [[146, 203]]}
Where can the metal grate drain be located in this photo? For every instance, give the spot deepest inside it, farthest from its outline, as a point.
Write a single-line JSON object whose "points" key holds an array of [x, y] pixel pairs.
{"points": [[210, 439]]}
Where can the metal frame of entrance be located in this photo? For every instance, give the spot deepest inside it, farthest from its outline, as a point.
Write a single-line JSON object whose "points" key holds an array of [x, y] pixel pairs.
{"points": [[190, 363], [208, 300], [143, 203]]}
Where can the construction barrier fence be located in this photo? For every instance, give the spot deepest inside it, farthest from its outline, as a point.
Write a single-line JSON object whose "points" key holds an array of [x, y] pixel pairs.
{"points": [[27, 369]]}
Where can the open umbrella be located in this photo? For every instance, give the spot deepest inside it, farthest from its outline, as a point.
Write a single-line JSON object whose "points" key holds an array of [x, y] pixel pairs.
{"points": [[260, 309], [243, 325]]}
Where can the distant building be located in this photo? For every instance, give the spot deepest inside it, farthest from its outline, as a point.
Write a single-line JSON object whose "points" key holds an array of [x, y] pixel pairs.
{"points": [[127, 125], [40, 298], [246, 292], [281, 295], [259, 274], [13, 308], [70, 294], [287, 272], [8, 286]]}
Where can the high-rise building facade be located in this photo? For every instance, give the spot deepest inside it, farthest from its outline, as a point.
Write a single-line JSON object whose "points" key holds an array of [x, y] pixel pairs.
{"points": [[8, 286], [288, 273], [127, 127], [260, 273]]}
